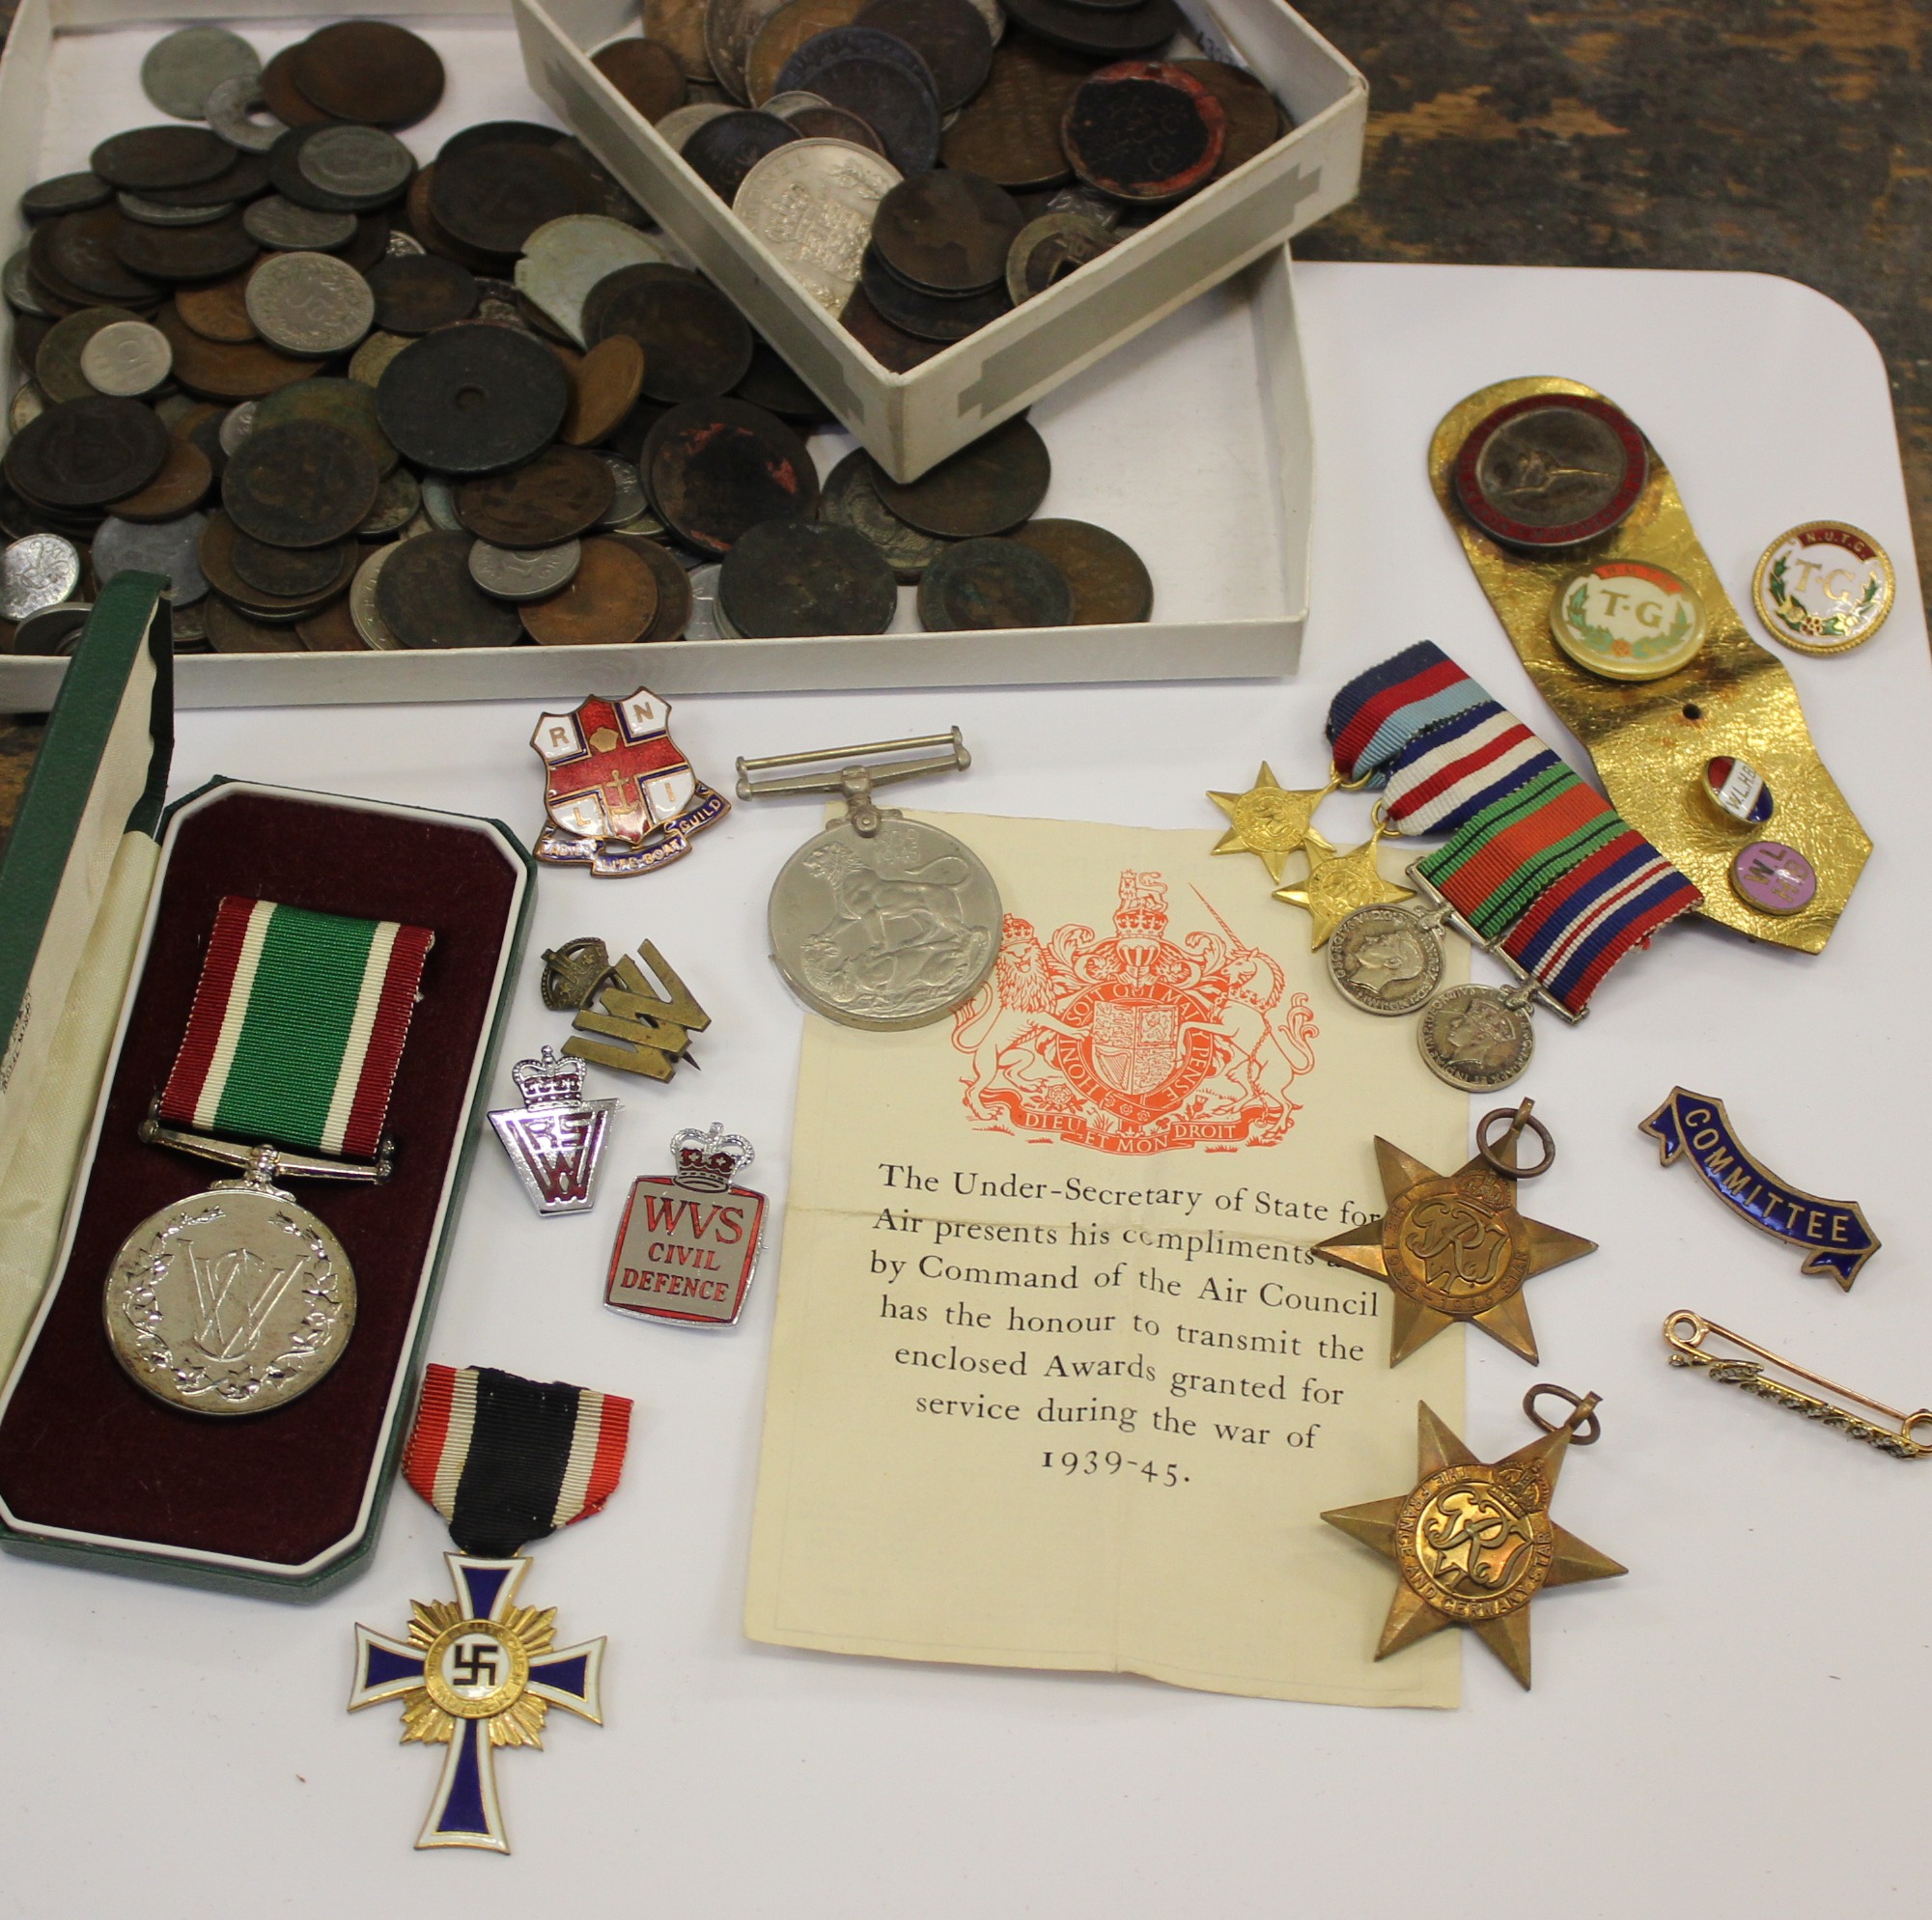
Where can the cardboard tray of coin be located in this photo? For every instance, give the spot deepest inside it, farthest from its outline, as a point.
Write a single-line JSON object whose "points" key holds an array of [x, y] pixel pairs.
{"points": [[429, 410]]}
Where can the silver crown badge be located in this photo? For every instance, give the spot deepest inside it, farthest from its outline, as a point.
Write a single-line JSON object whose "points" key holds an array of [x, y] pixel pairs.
{"points": [[711, 1159], [549, 1079]]}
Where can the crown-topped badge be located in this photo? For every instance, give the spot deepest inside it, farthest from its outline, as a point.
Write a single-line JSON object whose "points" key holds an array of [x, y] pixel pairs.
{"points": [[690, 1238], [554, 1138]]}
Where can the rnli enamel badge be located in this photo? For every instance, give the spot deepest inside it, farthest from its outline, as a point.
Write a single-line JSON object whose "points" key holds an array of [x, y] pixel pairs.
{"points": [[690, 1238], [620, 796]]}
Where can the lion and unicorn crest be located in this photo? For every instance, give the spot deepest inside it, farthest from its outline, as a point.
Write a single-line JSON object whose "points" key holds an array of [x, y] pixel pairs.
{"points": [[1134, 1042]]}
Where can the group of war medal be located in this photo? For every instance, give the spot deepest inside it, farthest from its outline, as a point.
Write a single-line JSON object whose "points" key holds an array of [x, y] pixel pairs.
{"points": [[346, 402]]}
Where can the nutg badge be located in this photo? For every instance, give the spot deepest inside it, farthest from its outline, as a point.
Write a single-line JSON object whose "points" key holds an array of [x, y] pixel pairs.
{"points": [[690, 1238]]}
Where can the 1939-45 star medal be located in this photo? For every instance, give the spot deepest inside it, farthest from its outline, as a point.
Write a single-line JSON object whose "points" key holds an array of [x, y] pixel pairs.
{"points": [[1473, 1542], [504, 1460], [1453, 1246], [1270, 821]]}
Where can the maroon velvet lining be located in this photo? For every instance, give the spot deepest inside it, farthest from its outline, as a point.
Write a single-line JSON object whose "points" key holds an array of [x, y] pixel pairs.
{"points": [[81, 1446]]}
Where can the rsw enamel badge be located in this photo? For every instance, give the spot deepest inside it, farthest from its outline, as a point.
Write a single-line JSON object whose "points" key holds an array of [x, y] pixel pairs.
{"points": [[554, 1138]]}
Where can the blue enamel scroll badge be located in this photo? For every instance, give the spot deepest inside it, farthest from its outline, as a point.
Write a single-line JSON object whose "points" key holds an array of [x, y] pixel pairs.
{"points": [[1832, 1234]]}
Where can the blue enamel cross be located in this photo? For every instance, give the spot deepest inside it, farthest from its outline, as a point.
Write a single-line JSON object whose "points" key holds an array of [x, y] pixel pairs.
{"points": [[476, 1674]]}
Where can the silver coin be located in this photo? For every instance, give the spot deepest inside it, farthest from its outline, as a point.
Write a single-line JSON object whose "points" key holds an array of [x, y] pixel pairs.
{"points": [[368, 621], [310, 303], [703, 622], [850, 499], [170, 547], [126, 358], [524, 572], [885, 932], [439, 503], [152, 213], [36, 570], [53, 631], [240, 115], [189, 625], [372, 358], [17, 285], [681, 123], [358, 162], [785, 105], [236, 424], [229, 1301], [402, 246], [1385, 960], [731, 26], [1475, 1038], [29, 403], [628, 502], [284, 227], [397, 504], [1096, 207], [183, 68], [811, 204], [565, 258], [646, 526], [496, 303]]}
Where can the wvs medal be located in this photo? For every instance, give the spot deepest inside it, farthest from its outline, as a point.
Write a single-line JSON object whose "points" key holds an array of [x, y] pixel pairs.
{"points": [[690, 1240]]}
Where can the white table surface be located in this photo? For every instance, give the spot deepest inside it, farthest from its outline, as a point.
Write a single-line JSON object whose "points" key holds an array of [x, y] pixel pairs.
{"points": [[1737, 1727]]}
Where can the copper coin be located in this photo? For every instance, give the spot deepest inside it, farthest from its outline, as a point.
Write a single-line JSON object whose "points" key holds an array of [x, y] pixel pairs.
{"points": [[892, 346], [283, 97], [1144, 131], [902, 110], [218, 309], [82, 250], [232, 632], [215, 551], [717, 467], [610, 604], [944, 317], [674, 588], [472, 398], [792, 577], [646, 74], [426, 597], [1107, 579], [346, 405], [723, 150], [1010, 130], [244, 177], [295, 573], [65, 193], [57, 358], [148, 158], [1255, 122], [222, 370], [838, 45], [209, 252], [1107, 34], [984, 488], [493, 198], [605, 386], [84, 452], [831, 123], [301, 484], [772, 383], [696, 344], [370, 71], [784, 34], [561, 493], [948, 232], [851, 498], [180, 488], [987, 583], [332, 630], [950, 35], [417, 293], [680, 25]]}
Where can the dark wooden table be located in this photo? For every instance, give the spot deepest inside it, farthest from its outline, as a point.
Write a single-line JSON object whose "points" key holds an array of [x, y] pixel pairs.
{"points": [[1778, 136]]}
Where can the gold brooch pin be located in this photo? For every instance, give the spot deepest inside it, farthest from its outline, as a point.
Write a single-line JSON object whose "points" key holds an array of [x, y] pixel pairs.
{"points": [[1453, 1246], [1474, 1544]]}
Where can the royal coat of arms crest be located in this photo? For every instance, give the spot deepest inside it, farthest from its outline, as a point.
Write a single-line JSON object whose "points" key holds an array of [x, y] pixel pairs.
{"points": [[621, 798], [1136, 1043]]}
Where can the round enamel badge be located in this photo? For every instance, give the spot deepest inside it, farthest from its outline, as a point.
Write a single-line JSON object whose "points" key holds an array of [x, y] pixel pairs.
{"points": [[1774, 877], [1551, 469], [1736, 788], [1823, 588], [1627, 620]]}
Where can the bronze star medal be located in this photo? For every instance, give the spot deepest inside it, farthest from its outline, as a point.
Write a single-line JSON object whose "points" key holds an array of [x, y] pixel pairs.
{"points": [[1336, 884], [1474, 1544], [1270, 820], [1453, 1246]]}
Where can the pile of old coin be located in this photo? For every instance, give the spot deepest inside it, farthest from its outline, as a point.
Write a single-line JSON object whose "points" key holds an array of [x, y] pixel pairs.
{"points": [[346, 402], [920, 169]]}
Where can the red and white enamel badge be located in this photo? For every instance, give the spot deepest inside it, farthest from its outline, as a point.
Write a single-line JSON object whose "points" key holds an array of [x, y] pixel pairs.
{"points": [[621, 798], [690, 1238]]}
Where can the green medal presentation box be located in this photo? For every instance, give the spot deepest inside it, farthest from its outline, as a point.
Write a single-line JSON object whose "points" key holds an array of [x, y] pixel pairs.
{"points": [[107, 902]]}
